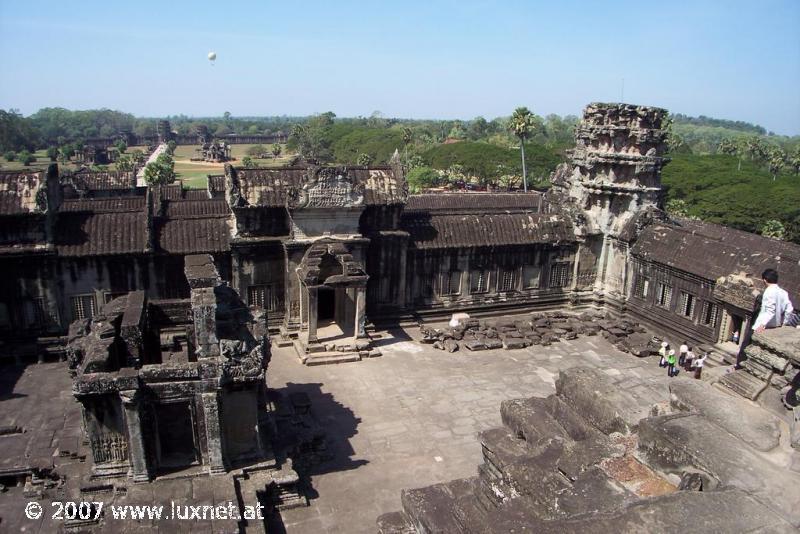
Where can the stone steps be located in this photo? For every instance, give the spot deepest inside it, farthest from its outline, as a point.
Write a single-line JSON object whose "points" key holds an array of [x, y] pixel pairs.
{"points": [[743, 383], [329, 358], [430, 509]]}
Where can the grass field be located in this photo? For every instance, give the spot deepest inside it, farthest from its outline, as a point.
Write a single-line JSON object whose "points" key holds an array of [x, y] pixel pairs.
{"points": [[193, 173]]}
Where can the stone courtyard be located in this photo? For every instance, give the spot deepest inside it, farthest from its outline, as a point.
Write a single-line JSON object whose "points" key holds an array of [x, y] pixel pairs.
{"points": [[410, 418]]}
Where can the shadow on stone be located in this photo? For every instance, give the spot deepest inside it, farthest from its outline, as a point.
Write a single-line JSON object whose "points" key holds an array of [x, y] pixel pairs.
{"points": [[314, 430], [8, 380]]}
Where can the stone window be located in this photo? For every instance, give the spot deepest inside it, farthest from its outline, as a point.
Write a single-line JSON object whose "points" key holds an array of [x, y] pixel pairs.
{"points": [[479, 281], [710, 314], [267, 297], [451, 283], [508, 280], [642, 287], [531, 275], [687, 304], [83, 307], [37, 313], [559, 274], [663, 295]]}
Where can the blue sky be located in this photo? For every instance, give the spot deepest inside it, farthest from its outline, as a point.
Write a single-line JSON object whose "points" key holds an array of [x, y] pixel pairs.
{"points": [[733, 59]]}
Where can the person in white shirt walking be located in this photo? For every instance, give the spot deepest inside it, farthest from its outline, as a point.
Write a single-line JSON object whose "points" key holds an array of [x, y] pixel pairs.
{"points": [[698, 365], [776, 308]]}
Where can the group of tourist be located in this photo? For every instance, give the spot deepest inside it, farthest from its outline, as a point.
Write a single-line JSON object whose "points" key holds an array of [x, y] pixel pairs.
{"points": [[685, 359]]}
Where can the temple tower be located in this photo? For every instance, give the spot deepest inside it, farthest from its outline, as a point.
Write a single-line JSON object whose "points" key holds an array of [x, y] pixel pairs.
{"points": [[612, 181]]}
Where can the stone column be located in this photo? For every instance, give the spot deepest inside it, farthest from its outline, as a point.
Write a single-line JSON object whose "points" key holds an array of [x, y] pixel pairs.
{"points": [[137, 451], [312, 315], [216, 457], [576, 269], [361, 294]]}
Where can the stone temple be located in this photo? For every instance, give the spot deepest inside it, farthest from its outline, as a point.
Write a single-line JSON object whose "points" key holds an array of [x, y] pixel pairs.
{"points": [[167, 303]]}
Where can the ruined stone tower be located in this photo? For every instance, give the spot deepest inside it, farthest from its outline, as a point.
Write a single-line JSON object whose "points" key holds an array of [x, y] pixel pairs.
{"points": [[613, 178], [615, 169]]}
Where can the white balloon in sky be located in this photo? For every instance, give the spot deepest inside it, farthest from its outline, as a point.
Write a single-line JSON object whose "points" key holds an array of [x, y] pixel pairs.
{"points": [[212, 56]]}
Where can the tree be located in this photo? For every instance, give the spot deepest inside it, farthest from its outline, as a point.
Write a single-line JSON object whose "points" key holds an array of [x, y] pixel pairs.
{"points": [[248, 163], [364, 159], [276, 150], [161, 171], [421, 178], [755, 148], [776, 161], [121, 145], [52, 153], [26, 158], [171, 146], [125, 163], [677, 207], [408, 138], [137, 156], [311, 142], [774, 229], [522, 125], [256, 151], [10, 155], [794, 160], [732, 147]]}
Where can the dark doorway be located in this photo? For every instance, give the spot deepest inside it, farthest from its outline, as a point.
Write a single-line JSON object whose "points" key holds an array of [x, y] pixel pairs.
{"points": [[326, 304], [736, 328], [176, 441]]}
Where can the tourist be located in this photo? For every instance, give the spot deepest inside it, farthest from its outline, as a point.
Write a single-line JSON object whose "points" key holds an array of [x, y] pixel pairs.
{"points": [[689, 359], [776, 308], [698, 366], [735, 337], [682, 350], [662, 362], [671, 363]]}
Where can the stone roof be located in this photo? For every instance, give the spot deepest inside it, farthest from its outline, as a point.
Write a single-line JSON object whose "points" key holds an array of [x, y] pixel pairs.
{"points": [[719, 253], [193, 235], [429, 230], [457, 202], [196, 208], [103, 205], [273, 187], [20, 192], [90, 180], [99, 234]]}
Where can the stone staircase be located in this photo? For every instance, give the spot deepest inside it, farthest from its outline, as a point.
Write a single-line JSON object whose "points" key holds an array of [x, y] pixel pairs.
{"points": [[592, 458]]}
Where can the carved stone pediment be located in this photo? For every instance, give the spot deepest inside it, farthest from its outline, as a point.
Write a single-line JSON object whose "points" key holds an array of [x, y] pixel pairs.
{"points": [[328, 187]]}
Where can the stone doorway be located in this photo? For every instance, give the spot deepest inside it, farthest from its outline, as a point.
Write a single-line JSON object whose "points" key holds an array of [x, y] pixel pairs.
{"points": [[326, 311], [176, 441]]}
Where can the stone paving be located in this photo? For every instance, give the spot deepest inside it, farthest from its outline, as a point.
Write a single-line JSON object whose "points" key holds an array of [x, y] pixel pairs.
{"points": [[410, 418], [407, 419]]}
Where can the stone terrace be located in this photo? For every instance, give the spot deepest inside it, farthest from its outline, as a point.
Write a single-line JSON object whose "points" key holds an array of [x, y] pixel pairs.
{"points": [[410, 418]]}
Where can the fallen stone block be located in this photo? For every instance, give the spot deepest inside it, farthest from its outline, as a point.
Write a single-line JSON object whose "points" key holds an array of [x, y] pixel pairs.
{"points": [[475, 345], [493, 344], [450, 345], [514, 343]]}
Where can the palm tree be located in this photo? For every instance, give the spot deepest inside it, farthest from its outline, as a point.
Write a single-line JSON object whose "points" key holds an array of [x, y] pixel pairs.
{"points": [[364, 160], [408, 137], [776, 162], [522, 125]]}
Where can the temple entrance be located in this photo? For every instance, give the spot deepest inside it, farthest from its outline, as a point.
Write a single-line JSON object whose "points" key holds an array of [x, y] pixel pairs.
{"points": [[326, 311], [176, 445]]}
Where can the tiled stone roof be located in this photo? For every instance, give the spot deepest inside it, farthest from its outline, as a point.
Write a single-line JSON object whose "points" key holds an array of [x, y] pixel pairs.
{"points": [[429, 230], [99, 234], [474, 201]]}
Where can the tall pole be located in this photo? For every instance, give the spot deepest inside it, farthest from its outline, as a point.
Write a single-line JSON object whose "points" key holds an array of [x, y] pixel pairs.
{"points": [[524, 170]]}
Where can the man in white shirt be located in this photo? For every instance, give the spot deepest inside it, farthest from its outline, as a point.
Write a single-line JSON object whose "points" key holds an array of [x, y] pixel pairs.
{"points": [[776, 309]]}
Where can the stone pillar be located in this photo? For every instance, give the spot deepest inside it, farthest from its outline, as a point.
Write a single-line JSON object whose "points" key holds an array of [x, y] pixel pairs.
{"points": [[137, 451], [216, 457], [312, 315], [576, 268], [361, 297]]}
